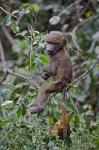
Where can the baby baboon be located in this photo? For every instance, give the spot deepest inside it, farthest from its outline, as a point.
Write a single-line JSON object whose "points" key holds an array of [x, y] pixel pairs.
{"points": [[59, 67]]}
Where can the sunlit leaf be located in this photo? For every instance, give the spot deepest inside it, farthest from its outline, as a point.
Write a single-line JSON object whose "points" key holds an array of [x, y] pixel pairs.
{"points": [[26, 4], [6, 103], [43, 58], [36, 7], [97, 66], [15, 12]]}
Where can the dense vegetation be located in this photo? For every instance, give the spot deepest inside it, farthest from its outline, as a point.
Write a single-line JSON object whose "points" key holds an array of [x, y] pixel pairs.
{"points": [[22, 27]]}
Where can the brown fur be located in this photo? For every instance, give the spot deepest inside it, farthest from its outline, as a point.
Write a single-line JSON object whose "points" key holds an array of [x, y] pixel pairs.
{"points": [[59, 67]]}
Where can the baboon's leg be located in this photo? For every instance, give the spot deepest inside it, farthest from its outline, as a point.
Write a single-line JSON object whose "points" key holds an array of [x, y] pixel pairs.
{"points": [[42, 93]]}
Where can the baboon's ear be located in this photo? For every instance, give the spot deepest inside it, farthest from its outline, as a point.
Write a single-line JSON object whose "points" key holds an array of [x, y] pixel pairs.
{"points": [[65, 41]]}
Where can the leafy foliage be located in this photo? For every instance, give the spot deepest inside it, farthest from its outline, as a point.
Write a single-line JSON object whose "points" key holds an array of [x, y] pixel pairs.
{"points": [[23, 48]]}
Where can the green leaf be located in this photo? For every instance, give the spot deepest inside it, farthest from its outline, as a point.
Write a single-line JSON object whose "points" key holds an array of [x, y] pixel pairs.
{"points": [[22, 34], [21, 111], [74, 85], [3, 122], [77, 121], [69, 107], [35, 7], [43, 58], [50, 121], [26, 5], [96, 140], [97, 66], [14, 27]]}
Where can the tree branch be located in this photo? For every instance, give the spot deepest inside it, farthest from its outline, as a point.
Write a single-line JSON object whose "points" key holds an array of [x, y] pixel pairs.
{"points": [[69, 7], [7, 13], [23, 77], [85, 73], [73, 34]]}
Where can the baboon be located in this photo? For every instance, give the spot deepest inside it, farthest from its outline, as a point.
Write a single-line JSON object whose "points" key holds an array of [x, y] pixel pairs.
{"points": [[59, 67]]}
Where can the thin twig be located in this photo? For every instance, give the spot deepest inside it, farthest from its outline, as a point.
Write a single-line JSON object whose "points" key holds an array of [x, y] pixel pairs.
{"points": [[20, 119], [69, 7], [85, 73], [2, 53], [6, 134], [3, 63], [74, 38], [75, 107], [84, 9], [8, 36], [64, 115], [7, 13], [23, 77], [78, 54]]}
